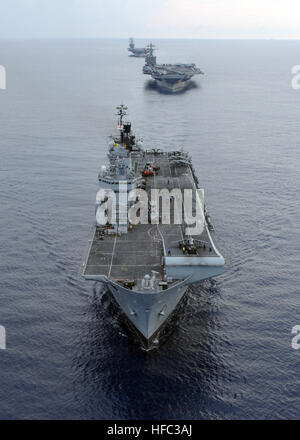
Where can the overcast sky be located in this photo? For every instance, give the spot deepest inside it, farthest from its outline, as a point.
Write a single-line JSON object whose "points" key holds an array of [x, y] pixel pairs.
{"points": [[150, 18]]}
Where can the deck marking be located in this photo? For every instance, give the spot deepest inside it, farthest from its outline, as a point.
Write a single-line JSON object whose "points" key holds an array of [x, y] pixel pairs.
{"points": [[180, 226], [136, 265], [157, 229]]}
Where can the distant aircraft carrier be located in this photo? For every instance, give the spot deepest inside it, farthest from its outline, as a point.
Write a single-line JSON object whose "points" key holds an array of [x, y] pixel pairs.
{"points": [[169, 77], [136, 51], [148, 267]]}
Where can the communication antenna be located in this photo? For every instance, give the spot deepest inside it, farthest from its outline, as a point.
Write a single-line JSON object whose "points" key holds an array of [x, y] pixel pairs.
{"points": [[121, 113]]}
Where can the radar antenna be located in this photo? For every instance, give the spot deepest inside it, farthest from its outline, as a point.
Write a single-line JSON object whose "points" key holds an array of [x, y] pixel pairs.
{"points": [[151, 48], [121, 113]]}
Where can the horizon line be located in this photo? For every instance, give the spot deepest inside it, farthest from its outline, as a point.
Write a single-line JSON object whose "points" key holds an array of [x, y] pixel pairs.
{"points": [[152, 38]]}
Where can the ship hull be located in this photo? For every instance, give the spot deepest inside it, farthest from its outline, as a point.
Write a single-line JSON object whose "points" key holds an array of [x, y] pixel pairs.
{"points": [[137, 55], [147, 313], [171, 86]]}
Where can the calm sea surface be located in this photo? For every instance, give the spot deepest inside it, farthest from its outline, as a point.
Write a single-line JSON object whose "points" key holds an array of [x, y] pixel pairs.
{"points": [[229, 354]]}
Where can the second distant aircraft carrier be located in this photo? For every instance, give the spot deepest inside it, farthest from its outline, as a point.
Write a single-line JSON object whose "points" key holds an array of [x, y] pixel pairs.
{"points": [[138, 52]]}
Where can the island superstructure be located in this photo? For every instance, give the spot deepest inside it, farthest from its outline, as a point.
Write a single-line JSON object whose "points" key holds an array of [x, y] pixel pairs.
{"points": [[148, 267], [169, 77], [138, 52]]}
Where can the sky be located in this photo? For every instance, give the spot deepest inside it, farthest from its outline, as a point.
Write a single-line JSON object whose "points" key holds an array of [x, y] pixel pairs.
{"points": [[278, 19]]}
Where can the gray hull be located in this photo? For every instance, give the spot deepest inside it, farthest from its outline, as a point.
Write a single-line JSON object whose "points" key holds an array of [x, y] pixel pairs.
{"points": [[148, 265], [148, 312]]}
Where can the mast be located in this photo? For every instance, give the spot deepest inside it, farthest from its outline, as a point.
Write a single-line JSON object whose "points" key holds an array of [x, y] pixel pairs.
{"points": [[150, 58], [125, 128], [121, 113]]}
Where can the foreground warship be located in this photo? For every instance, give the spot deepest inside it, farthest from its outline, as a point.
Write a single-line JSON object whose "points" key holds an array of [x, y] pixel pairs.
{"points": [[148, 267], [169, 77], [136, 51]]}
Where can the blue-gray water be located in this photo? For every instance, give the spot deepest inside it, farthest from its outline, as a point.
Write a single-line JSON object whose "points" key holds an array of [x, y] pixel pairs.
{"points": [[229, 355]]}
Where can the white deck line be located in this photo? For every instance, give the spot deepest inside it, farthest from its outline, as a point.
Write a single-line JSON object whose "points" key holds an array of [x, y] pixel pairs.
{"points": [[159, 231], [213, 244]]}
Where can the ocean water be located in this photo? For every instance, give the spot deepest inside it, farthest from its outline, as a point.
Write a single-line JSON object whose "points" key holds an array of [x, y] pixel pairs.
{"points": [[229, 354]]}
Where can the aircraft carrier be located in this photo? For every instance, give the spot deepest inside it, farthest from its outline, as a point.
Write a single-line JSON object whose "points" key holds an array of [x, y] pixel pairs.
{"points": [[139, 52], [148, 265], [169, 77]]}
